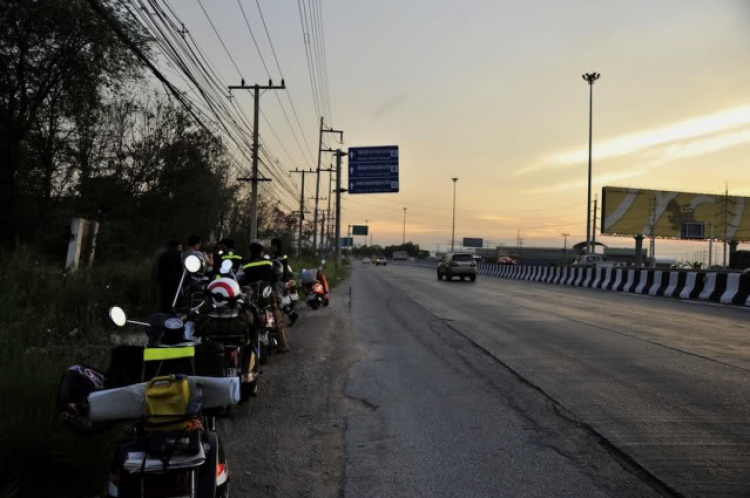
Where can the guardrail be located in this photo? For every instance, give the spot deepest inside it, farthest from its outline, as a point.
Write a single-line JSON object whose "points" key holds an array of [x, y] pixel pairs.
{"points": [[717, 286]]}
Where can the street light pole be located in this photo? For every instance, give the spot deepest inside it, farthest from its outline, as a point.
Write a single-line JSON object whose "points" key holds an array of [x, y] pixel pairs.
{"points": [[403, 241], [590, 78], [565, 257], [453, 230]]}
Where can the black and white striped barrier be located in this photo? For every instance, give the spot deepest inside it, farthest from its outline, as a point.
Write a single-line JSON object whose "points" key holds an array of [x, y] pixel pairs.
{"points": [[726, 288]]}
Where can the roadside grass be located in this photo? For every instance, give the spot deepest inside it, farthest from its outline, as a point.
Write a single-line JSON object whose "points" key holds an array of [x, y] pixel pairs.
{"points": [[50, 320]]}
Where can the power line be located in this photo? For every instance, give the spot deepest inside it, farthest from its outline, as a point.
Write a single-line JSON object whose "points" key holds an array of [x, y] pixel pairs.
{"points": [[220, 39], [306, 42]]}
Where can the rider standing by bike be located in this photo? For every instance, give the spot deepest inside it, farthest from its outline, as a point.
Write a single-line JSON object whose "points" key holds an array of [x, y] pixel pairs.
{"points": [[277, 253], [259, 269], [226, 252]]}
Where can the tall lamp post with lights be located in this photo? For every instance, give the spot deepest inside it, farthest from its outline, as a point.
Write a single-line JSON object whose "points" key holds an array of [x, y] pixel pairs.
{"points": [[590, 78], [453, 230]]}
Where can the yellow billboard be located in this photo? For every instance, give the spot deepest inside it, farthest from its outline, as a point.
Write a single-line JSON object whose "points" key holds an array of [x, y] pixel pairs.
{"points": [[674, 215]]}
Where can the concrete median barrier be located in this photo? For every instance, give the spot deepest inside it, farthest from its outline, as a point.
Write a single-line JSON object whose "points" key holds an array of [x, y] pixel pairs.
{"points": [[720, 287]]}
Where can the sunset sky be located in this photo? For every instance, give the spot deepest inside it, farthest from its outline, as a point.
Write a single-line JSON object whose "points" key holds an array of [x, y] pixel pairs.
{"points": [[491, 92]]}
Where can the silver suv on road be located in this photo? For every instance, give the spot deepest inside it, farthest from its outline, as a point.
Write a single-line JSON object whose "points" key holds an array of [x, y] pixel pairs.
{"points": [[457, 264]]}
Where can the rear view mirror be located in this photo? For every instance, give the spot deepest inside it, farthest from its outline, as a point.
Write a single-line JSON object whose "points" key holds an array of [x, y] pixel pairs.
{"points": [[267, 292], [118, 316], [226, 266], [193, 263]]}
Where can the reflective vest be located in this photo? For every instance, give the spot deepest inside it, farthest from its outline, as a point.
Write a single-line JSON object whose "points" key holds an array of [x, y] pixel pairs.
{"points": [[230, 255], [262, 262]]}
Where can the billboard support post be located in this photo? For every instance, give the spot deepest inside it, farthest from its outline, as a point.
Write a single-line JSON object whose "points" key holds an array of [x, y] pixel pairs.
{"points": [[638, 250]]}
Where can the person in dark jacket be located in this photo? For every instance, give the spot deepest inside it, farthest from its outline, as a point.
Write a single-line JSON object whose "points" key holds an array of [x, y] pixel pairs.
{"points": [[260, 269], [169, 273], [226, 251]]}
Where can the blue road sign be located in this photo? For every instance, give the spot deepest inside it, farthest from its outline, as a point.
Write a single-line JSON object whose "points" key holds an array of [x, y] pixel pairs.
{"points": [[373, 170], [347, 241]]}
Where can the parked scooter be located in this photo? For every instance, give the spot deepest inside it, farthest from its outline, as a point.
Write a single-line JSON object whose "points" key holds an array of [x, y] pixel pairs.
{"points": [[176, 452], [316, 287]]}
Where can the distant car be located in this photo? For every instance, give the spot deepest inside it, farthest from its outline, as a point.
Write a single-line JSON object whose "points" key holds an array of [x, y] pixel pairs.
{"points": [[593, 260], [411, 259], [380, 260], [366, 261], [457, 264]]}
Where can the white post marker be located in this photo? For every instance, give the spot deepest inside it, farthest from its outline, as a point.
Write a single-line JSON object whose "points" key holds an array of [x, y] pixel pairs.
{"points": [[689, 285], [589, 276], [708, 287], [657, 283], [733, 285], [618, 280], [673, 276], [607, 278], [642, 283]]}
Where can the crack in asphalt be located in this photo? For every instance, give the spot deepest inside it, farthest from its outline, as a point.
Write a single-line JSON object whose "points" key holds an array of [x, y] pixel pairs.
{"points": [[368, 404]]}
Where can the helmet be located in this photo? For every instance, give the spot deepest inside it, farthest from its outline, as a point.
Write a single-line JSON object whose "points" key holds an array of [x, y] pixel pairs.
{"points": [[278, 269], [224, 290]]}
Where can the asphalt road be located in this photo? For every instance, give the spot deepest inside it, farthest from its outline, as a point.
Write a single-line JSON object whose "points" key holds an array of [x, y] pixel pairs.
{"points": [[507, 388]]}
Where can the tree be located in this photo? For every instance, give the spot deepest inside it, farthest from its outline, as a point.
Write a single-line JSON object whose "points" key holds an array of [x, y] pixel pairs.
{"points": [[48, 48]]}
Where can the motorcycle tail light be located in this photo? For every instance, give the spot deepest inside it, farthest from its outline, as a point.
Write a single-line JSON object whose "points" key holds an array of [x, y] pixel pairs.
{"points": [[222, 473]]}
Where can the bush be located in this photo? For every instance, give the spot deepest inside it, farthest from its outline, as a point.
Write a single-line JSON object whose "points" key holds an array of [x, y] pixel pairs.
{"points": [[49, 320]]}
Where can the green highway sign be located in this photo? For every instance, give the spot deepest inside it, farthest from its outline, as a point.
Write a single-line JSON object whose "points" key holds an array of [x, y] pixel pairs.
{"points": [[359, 230]]}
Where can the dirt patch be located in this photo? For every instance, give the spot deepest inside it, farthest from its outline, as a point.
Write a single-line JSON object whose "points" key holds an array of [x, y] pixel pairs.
{"points": [[289, 441]]}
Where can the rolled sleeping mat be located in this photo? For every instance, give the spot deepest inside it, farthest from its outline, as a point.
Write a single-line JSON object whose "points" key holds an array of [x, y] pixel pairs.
{"points": [[127, 403]]}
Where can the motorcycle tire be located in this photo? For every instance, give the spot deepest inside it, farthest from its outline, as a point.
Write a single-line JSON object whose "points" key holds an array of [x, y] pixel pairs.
{"points": [[263, 354], [222, 491], [207, 471], [325, 303]]}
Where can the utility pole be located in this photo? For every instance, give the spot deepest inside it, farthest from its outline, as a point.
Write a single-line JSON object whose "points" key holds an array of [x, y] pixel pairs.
{"points": [[256, 89], [328, 211], [565, 247], [593, 232], [453, 230], [711, 245], [317, 180], [322, 227], [339, 191], [520, 244], [652, 233], [404, 237], [301, 208], [590, 78]]}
